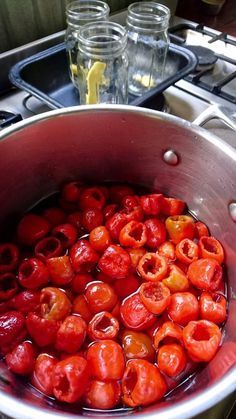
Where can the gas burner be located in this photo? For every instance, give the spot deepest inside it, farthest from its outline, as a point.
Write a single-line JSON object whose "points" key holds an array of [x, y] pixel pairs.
{"points": [[216, 52], [206, 57], [8, 118]]}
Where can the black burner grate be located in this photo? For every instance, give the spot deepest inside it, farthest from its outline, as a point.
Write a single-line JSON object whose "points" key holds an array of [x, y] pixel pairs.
{"points": [[220, 78]]}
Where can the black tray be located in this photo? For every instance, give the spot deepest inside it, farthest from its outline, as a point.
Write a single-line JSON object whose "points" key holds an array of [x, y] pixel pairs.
{"points": [[45, 75]]}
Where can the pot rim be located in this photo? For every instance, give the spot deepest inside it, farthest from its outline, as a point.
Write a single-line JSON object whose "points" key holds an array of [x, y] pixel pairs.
{"points": [[193, 405], [209, 136]]}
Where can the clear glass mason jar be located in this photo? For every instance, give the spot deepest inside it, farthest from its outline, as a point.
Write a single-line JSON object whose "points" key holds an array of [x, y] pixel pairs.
{"points": [[79, 13], [148, 42], [102, 63]]}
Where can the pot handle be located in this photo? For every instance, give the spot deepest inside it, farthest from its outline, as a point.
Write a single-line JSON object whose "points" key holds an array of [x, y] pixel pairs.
{"points": [[225, 114]]}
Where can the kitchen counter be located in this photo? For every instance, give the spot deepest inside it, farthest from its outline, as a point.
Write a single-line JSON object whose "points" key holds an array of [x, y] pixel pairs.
{"points": [[225, 21]]}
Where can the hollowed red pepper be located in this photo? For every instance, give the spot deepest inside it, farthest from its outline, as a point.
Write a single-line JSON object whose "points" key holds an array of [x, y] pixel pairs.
{"points": [[133, 234], [71, 334], [152, 267], [151, 204], [49, 247], [66, 233], [169, 332], [155, 296], [142, 383], [187, 251], [70, 379], [211, 248], [54, 304], [201, 339], [43, 331], [183, 308], [21, 359], [171, 359], [12, 330], [33, 273], [103, 326], [134, 314]]}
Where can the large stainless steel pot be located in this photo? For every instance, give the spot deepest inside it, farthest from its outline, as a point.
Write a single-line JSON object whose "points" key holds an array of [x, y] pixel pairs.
{"points": [[132, 145]]}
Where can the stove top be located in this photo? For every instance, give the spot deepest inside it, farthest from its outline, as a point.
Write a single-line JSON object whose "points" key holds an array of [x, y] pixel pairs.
{"points": [[187, 99]]}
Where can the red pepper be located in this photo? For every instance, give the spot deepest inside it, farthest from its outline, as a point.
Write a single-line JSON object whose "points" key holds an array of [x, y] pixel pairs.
{"points": [[155, 296], [187, 251], [103, 326], [134, 314], [211, 248], [79, 282], [26, 301], [205, 274], [180, 227], [48, 247], [71, 334], [94, 197], [70, 379], [66, 233], [100, 238], [115, 262], [33, 274], [71, 191], [32, 228], [60, 270], [167, 249], [21, 359], [201, 229], [100, 296], [83, 256], [151, 204], [156, 233], [43, 331], [102, 394], [54, 304], [125, 286], [54, 215], [171, 359], [213, 307], [42, 377], [201, 339], [142, 383], [81, 306], [115, 223], [8, 286], [9, 257], [119, 192], [152, 267], [75, 219], [92, 218], [106, 360], [177, 280], [12, 330], [137, 345], [169, 332], [109, 211], [130, 202], [135, 256], [173, 206], [133, 234], [183, 308]]}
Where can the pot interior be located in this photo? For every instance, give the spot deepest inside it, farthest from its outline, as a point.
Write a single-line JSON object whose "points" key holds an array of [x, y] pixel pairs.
{"points": [[125, 144]]}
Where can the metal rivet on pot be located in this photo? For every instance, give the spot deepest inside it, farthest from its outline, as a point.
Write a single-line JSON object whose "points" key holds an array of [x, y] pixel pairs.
{"points": [[171, 157], [232, 210]]}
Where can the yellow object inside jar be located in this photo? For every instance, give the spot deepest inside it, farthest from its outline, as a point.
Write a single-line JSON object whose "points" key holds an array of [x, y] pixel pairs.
{"points": [[95, 78]]}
